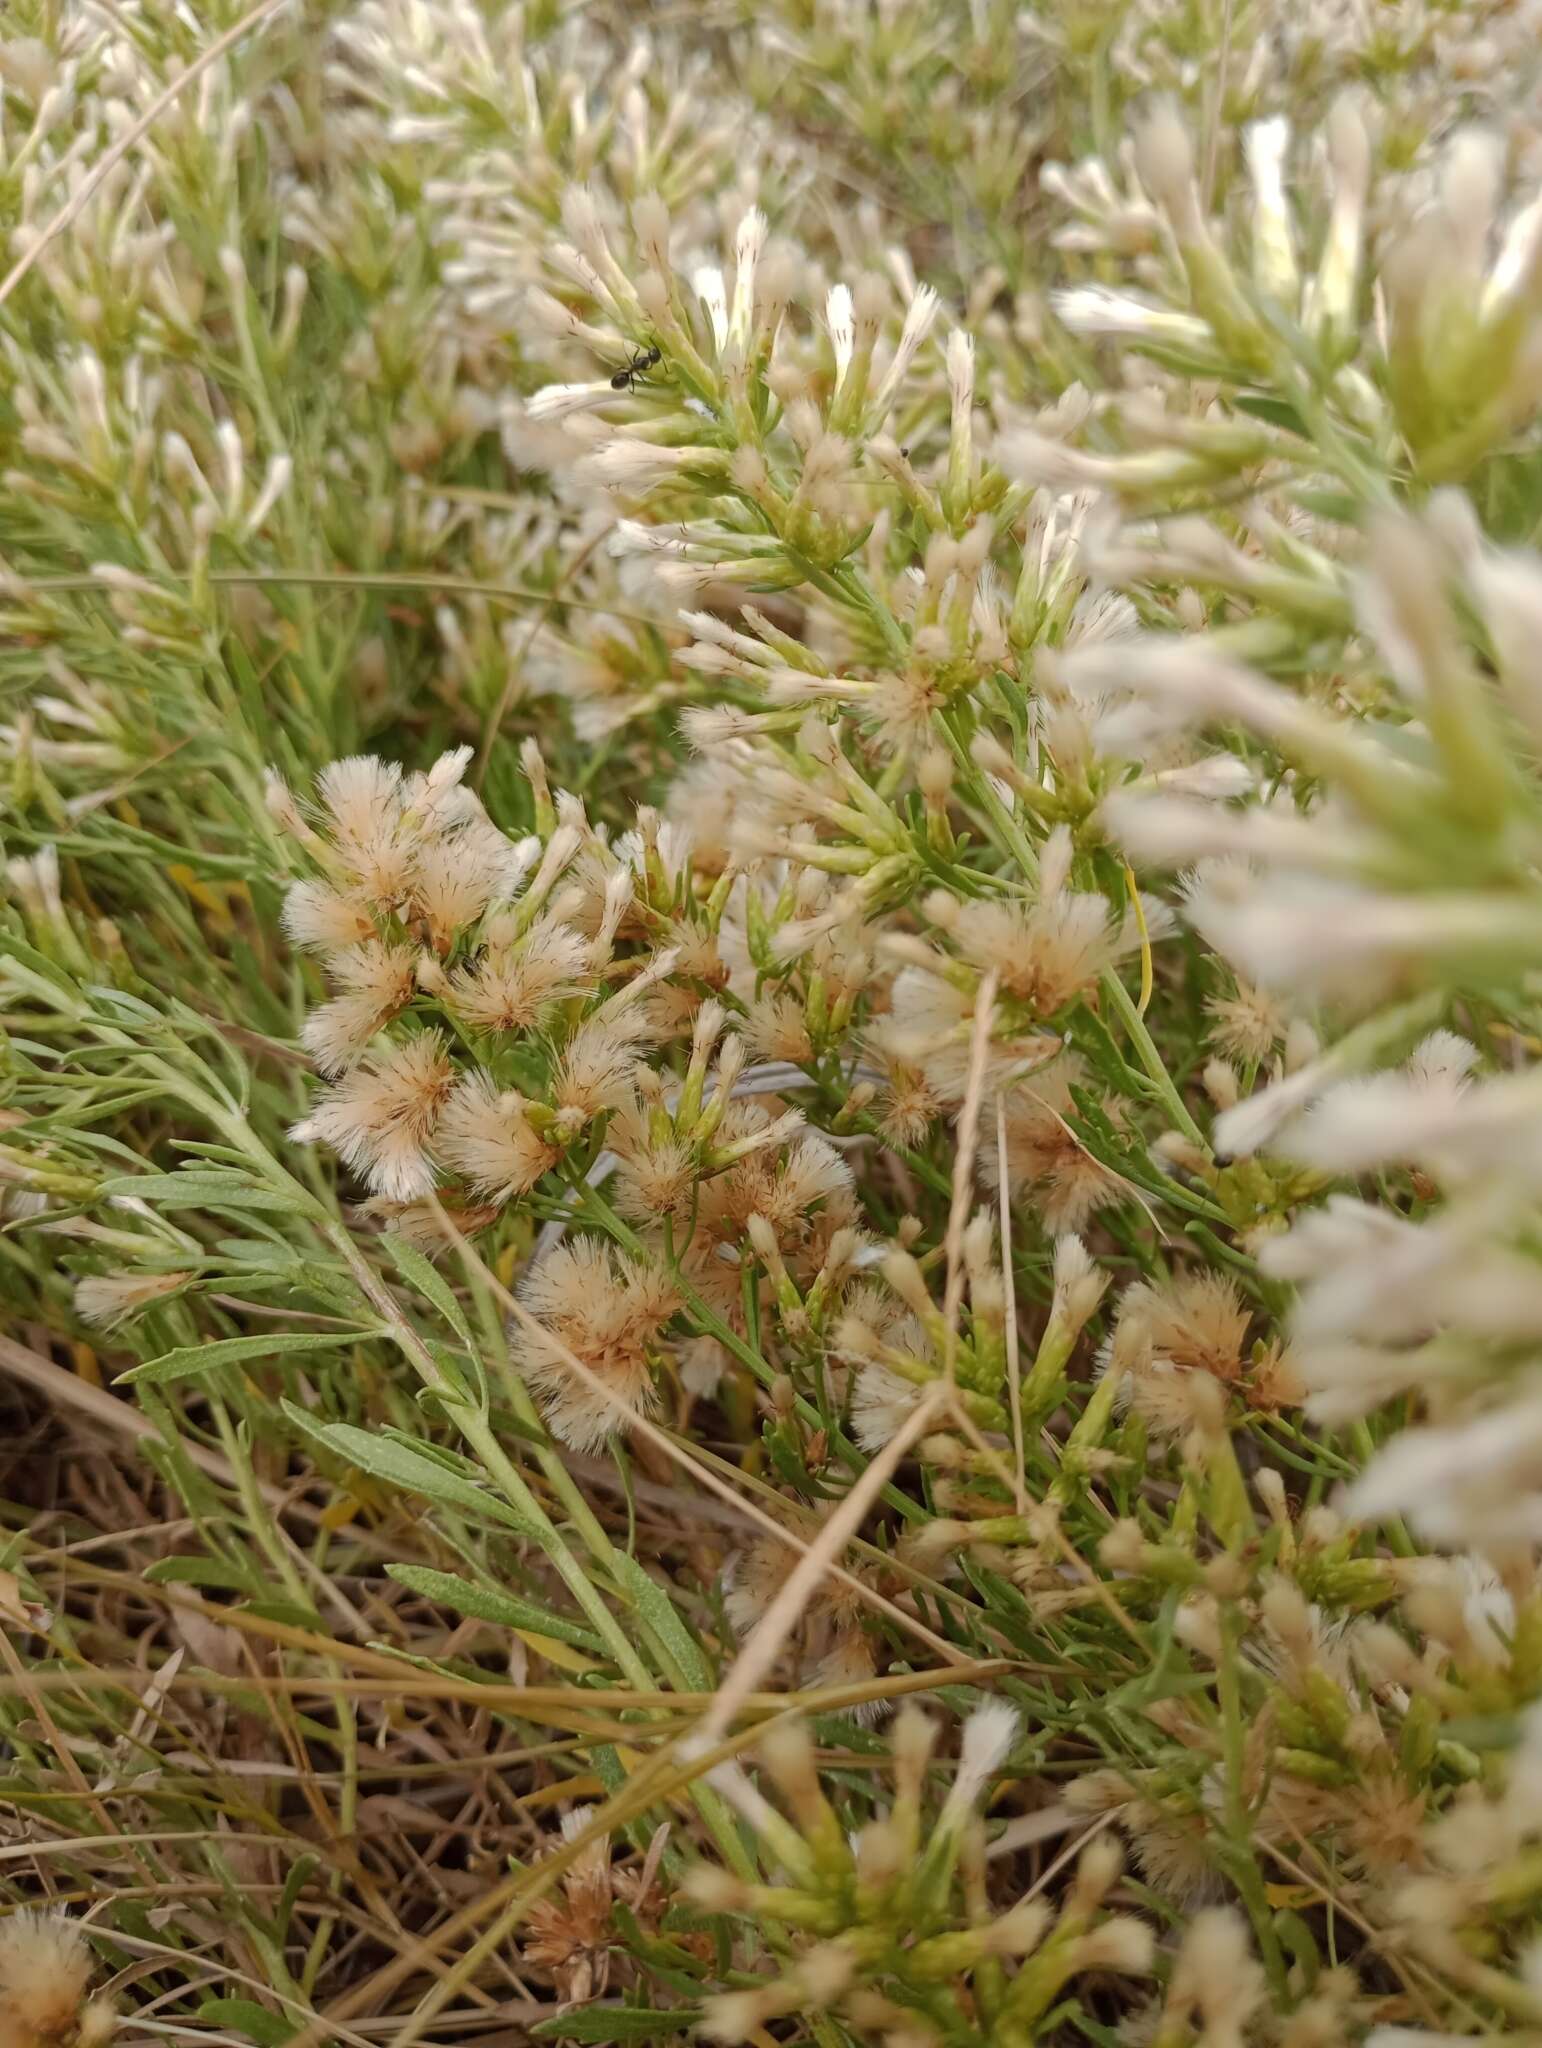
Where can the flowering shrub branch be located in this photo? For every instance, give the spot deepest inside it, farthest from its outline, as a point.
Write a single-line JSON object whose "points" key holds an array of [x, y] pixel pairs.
{"points": [[770, 941]]}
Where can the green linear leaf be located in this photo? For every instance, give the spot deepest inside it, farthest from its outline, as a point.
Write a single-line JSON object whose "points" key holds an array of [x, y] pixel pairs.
{"points": [[268, 2029], [418, 1273], [387, 1459], [199, 1190], [600, 2024], [484, 1604], [662, 1616], [189, 1360]]}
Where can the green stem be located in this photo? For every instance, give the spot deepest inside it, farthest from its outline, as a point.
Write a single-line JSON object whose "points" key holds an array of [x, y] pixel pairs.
{"points": [[1124, 1006], [259, 1517], [478, 1432], [713, 1325], [1244, 1865]]}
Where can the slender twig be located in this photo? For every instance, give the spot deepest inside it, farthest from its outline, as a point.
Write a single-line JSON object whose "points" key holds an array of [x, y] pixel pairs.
{"points": [[516, 659], [1009, 1285], [676, 1453], [781, 1617], [1217, 107]]}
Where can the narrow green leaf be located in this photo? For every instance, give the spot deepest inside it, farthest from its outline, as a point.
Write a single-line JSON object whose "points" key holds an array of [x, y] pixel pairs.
{"points": [[661, 1615], [200, 1571], [397, 1464], [119, 1000], [301, 1871], [198, 1190], [289, 1612], [259, 1252], [483, 1604], [189, 1360], [418, 1273], [39, 963], [598, 2024], [267, 2029]]}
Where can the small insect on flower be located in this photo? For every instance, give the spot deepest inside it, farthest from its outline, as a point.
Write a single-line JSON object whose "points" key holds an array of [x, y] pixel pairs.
{"points": [[641, 363]]}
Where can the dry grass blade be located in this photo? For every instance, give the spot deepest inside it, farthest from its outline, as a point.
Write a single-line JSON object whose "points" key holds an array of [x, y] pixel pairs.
{"points": [[760, 1652], [1009, 1287], [702, 1473], [654, 1784], [968, 1141]]}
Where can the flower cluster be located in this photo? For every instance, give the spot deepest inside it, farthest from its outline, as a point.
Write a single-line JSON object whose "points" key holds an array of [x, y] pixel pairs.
{"points": [[773, 815], [895, 1927], [45, 1975], [508, 1016]]}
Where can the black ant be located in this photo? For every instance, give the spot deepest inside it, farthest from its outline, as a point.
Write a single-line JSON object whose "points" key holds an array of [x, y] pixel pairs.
{"points": [[644, 359]]}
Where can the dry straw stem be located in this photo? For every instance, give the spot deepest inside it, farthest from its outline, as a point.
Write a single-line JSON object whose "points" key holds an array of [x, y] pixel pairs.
{"points": [[661, 1779], [512, 680], [380, 1667], [552, 1701], [1068, 1854], [1031, 1828], [734, 1478], [25, 1683], [67, 1390], [130, 139], [1009, 1285], [226, 1973], [963, 1163], [654, 1783], [958, 1221], [512, 1900], [705, 1475], [1383, 1940], [760, 1652], [676, 1452]]}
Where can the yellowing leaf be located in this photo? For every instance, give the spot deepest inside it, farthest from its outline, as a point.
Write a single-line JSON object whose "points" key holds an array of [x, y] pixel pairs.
{"points": [[206, 898], [17, 1608], [586, 1787], [1292, 1895], [563, 1655], [86, 1366]]}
